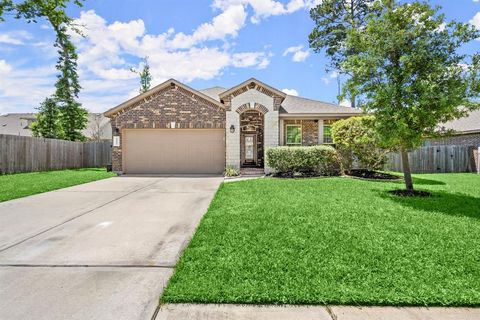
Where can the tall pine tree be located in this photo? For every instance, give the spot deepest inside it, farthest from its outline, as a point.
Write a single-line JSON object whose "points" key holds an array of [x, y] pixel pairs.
{"points": [[71, 116]]}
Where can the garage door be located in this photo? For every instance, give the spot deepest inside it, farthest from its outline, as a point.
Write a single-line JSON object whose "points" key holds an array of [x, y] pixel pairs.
{"points": [[171, 151]]}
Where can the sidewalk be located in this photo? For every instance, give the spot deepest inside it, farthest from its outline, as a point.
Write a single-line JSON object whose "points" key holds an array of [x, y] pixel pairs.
{"points": [[251, 312]]}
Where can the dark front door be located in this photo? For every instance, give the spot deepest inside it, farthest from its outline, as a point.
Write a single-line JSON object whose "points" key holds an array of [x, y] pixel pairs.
{"points": [[250, 149]]}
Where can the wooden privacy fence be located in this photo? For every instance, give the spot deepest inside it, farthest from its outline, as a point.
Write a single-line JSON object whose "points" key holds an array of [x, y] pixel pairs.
{"points": [[439, 159], [27, 154]]}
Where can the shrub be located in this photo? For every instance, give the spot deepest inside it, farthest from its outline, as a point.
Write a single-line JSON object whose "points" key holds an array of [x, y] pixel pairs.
{"points": [[231, 172], [356, 139], [316, 160]]}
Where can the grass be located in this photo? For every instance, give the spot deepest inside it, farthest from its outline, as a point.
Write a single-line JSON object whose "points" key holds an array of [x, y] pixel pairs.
{"points": [[335, 241], [19, 185]]}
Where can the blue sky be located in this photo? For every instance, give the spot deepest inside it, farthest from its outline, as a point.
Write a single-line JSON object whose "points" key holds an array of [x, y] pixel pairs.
{"points": [[203, 43]]}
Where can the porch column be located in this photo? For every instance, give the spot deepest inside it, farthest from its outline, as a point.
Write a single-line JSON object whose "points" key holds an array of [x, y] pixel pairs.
{"points": [[281, 132], [320, 131], [232, 140], [271, 133]]}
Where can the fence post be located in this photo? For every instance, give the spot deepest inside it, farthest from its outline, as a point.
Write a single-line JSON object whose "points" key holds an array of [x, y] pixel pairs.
{"points": [[478, 160]]}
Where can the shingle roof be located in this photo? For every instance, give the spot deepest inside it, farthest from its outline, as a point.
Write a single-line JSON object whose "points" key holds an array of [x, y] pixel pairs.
{"points": [[295, 105], [18, 124], [470, 123], [213, 92]]}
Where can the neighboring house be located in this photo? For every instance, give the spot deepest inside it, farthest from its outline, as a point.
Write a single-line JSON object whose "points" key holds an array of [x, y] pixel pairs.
{"points": [[18, 124], [173, 128], [467, 132]]}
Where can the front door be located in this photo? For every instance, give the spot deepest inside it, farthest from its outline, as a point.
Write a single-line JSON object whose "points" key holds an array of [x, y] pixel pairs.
{"points": [[250, 149]]}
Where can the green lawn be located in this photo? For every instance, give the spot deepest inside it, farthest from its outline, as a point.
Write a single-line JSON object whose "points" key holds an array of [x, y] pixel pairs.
{"points": [[335, 241], [19, 185]]}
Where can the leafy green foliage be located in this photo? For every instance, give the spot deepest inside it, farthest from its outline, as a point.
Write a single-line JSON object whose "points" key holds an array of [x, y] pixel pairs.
{"points": [[320, 160], [356, 138], [410, 74], [72, 116], [24, 184], [231, 172], [335, 241], [333, 19], [47, 123], [145, 76]]}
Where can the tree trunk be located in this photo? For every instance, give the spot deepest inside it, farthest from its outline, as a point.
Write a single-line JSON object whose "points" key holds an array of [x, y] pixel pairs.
{"points": [[353, 103], [407, 174]]}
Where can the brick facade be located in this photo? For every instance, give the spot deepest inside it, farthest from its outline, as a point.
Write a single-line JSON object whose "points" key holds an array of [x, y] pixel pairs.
{"points": [[472, 139], [171, 104], [309, 131]]}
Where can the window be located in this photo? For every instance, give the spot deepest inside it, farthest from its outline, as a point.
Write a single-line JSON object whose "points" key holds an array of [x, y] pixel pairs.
{"points": [[294, 135], [327, 131]]}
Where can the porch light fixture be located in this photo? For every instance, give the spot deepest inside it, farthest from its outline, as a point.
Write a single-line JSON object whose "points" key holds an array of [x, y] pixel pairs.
{"points": [[232, 128]]}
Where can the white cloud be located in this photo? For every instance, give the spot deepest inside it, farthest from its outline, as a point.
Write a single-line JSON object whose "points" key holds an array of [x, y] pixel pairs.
{"points": [[16, 37], [110, 49], [298, 54], [328, 78], [227, 23], [291, 92], [5, 68], [346, 103], [476, 20], [265, 8], [22, 89]]}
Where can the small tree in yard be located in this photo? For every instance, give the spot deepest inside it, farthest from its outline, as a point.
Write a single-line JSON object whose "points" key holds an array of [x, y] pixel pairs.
{"points": [[355, 138], [410, 74], [47, 123]]}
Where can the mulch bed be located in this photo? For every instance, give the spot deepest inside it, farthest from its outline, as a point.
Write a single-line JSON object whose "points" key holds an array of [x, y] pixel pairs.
{"points": [[410, 193], [372, 175]]}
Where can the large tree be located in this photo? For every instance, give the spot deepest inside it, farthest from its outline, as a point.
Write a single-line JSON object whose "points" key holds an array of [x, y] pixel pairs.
{"points": [[410, 73], [333, 19], [72, 116]]}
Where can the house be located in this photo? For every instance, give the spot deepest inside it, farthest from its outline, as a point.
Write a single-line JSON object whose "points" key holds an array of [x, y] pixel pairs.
{"points": [[173, 128], [467, 132], [18, 124]]}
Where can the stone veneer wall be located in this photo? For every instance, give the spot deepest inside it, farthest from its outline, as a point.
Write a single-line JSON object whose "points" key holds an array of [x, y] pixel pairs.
{"points": [[271, 120], [309, 131], [171, 104]]}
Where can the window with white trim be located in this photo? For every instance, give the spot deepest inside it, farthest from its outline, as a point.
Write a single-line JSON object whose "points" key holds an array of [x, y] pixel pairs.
{"points": [[327, 130], [293, 135]]}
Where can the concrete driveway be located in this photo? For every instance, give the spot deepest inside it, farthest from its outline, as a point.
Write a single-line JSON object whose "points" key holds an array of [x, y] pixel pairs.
{"points": [[101, 250]]}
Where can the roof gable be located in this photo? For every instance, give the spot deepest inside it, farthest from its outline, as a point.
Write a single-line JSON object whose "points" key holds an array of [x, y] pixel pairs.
{"points": [[144, 97], [252, 83]]}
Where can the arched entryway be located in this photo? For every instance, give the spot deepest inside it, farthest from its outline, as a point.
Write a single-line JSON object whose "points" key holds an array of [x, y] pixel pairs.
{"points": [[251, 139]]}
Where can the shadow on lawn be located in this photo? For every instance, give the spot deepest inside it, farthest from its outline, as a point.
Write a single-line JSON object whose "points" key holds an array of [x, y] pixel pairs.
{"points": [[422, 181], [455, 204]]}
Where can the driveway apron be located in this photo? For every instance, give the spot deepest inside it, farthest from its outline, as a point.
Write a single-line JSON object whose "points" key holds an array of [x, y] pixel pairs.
{"points": [[101, 250]]}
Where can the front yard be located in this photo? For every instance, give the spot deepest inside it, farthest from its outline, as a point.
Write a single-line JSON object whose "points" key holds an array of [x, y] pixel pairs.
{"points": [[19, 185], [336, 241]]}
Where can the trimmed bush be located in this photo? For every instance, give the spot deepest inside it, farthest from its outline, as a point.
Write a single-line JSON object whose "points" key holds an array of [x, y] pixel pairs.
{"points": [[315, 160], [358, 143]]}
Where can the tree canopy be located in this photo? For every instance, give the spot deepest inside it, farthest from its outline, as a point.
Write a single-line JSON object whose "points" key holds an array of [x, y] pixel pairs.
{"points": [[409, 72], [71, 117]]}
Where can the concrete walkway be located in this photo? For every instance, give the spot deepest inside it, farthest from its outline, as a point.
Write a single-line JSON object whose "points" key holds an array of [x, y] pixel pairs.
{"points": [[249, 312], [101, 250]]}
